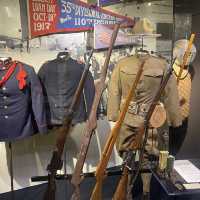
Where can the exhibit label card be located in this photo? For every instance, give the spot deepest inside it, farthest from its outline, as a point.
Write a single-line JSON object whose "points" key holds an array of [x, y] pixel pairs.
{"points": [[188, 171]]}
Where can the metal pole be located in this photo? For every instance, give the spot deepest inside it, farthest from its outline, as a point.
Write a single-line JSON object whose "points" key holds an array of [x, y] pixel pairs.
{"points": [[11, 171]]}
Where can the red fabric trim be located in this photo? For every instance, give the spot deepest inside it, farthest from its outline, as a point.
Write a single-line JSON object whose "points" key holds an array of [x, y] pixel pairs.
{"points": [[8, 73], [21, 77]]}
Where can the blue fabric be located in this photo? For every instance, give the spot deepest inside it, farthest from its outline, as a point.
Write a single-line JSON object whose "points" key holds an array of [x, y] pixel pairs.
{"points": [[22, 112], [162, 189], [60, 78]]}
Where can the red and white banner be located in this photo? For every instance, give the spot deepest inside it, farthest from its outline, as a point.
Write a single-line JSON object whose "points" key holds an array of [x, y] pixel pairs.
{"points": [[56, 16]]}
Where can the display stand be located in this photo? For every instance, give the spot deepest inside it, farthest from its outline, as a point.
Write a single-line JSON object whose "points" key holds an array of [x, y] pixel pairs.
{"points": [[65, 160], [11, 171], [164, 189]]}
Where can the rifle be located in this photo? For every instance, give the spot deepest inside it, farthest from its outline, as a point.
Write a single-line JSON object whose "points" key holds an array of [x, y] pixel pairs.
{"points": [[129, 163], [92, 121], [127, 166], [185, 57], [144, 130], [101, 168], [56, 160], [121, 192], [138, 144]]}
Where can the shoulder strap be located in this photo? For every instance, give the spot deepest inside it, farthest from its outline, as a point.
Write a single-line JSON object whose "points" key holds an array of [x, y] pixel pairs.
{"points": [[8, 73]]}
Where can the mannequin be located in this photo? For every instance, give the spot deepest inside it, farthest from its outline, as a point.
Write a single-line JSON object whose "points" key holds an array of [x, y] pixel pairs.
{"points": [[63, 55], [21, 101], [123, 75], [60, 78], [177, 135]]}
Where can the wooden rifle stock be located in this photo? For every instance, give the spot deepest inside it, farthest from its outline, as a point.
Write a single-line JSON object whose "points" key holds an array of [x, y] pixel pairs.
{"points": [[185, 57], [143, 133], [101, 168], [56, 160], [121, 191], [92, 120]]}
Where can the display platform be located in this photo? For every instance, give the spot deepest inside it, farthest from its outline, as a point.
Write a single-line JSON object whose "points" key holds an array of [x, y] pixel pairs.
{"points": [[64, 190], [163, 189]]}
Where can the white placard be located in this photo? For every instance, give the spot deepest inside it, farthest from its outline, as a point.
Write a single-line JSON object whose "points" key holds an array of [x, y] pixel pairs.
{"points": [[188, 171]]}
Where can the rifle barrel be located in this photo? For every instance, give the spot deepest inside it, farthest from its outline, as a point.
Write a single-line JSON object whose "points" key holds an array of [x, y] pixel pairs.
{"points": [[92, 120], [56, 160], [144, 129], [101, 168]]}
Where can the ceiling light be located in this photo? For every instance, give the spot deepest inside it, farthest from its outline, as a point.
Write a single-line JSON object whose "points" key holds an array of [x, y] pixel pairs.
{"points": [[149, 4]]}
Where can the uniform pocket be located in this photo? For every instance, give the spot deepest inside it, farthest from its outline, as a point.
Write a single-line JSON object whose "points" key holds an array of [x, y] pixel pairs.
{"points": [[133, 120], [153, 72], [127, 80]]}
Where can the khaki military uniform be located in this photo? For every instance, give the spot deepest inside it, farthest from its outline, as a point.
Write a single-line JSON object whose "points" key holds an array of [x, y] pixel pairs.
{"points": [[122, 78]]}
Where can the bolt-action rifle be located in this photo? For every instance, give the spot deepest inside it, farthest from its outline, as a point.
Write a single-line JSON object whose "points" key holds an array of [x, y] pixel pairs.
{"points": [[101, 168], [62, 132], [122, 192], [127, 166], [92, 121], [129, 161], [141, 138]]}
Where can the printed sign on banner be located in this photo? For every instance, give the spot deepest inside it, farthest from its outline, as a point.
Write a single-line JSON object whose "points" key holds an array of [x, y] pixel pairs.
{"points": [[55, 16]]}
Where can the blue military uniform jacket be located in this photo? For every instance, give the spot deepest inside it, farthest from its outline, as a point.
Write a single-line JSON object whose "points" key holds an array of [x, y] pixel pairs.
{"points": [[22, 111], [60, 78]]}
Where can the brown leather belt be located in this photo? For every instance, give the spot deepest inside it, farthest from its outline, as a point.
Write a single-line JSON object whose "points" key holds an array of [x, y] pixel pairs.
{"points": [[158, 117], [138, 109]]}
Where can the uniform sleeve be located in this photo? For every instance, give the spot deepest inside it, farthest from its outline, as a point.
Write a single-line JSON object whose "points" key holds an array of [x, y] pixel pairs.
{"points": [[114, 95], [89, 91], [171, 102], [41, 74], [38, 106]]}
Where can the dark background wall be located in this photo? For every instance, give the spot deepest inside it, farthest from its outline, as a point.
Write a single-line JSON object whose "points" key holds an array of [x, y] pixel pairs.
{"points": [[191, 145]]}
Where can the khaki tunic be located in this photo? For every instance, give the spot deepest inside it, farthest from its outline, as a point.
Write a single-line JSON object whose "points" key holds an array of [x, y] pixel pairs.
{"points": [[122, 78], [184, 90]]}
